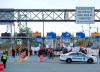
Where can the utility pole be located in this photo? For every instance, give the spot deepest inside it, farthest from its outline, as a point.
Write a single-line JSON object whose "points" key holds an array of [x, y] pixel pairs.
{"points": [[97, 29], [82, 29], [97, 32]]}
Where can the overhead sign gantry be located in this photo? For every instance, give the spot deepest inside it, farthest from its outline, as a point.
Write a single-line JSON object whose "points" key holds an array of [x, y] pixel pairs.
{"points": [[41, 15]]}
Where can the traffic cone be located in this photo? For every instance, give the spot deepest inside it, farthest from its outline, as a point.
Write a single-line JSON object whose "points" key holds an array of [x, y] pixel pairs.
{"points": [[1, 67], [41, 58]]}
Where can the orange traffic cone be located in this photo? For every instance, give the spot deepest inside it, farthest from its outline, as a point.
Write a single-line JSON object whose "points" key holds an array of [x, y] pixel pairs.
{"points": [[41, 58], [1, 67]]}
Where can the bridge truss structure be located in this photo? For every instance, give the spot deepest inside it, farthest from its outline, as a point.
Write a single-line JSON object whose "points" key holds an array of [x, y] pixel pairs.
{"points": [[41, 15]]}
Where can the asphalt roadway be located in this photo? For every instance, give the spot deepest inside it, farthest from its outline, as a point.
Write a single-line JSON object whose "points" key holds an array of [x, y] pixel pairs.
{"points": [[32, 64]]}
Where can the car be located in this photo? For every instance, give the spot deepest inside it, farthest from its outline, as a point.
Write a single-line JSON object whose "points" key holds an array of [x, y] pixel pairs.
{"points": [[77, 57]]}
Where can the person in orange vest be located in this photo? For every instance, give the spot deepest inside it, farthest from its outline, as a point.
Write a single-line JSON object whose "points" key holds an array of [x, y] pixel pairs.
{"points": [[4, 59]]}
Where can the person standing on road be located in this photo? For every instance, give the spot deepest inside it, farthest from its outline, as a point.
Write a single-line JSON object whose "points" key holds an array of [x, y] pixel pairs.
{"points": [[51, 53], [17, 52], [13, 52], [30, 51], [41, 54], [6, 52], [4, 59]]}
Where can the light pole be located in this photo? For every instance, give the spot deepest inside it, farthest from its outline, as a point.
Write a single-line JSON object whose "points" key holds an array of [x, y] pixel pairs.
{"points": [[14, 35], [43, 28], [89, 30], [27, 31], [11, 38]]}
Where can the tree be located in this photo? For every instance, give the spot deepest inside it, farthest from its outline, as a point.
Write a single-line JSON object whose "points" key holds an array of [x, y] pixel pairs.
{"points": [[26, 30], [28, 33]]}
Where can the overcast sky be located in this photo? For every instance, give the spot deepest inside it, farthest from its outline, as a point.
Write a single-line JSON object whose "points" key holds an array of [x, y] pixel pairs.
{"points": [[58, 27]]}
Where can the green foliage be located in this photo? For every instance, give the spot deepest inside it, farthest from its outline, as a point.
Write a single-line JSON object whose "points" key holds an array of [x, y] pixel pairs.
{"points": [[26, 30], [80, 41]]}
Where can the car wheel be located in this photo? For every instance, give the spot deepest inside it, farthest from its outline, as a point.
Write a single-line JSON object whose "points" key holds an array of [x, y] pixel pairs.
{"points": [[68, 60], [90, 61]]}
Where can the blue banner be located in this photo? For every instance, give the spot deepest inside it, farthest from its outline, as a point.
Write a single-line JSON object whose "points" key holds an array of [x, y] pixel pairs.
{"points": [[66, 35], [80, 35], [51, 35]]}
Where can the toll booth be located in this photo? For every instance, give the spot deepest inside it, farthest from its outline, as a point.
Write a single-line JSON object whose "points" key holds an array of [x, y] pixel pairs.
{"points": [[66, 38], [36, 36], [51, 39], [80, 36], [95, 37]]}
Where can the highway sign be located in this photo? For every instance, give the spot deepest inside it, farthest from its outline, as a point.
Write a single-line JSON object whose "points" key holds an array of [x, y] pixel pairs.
{"points": [[85, 15]]}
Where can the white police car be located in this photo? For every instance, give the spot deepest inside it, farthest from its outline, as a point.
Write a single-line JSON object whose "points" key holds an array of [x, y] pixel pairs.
{"points": [[77, 57]]}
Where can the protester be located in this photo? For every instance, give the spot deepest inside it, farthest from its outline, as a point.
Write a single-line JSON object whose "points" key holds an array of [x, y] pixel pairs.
{"points": [[41, 54], [17, 52], [6, 52], [51, 53], [65, 50], [30, 51], [85, 51], [13, 52]]}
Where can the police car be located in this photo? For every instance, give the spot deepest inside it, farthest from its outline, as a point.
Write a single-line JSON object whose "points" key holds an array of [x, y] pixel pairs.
{"points": [[77, 57]]}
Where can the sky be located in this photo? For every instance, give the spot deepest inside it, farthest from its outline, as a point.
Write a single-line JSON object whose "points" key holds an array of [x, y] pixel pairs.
{"points": [[58, 27]]}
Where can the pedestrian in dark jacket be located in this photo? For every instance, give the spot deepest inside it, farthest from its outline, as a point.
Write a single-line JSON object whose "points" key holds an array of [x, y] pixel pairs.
{"points": [[4, 59], [65, 50], [17, 52], [41, 54], [13, 52], [40, 51], [51, 53]]}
